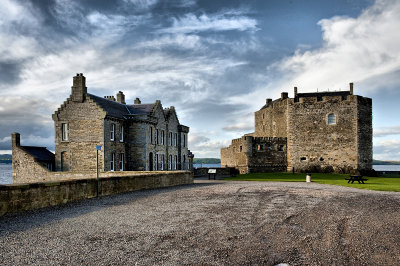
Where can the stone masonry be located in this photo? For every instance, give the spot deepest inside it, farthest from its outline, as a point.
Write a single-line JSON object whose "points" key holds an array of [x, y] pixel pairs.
{"points": [[132, 137], [316, 132]]}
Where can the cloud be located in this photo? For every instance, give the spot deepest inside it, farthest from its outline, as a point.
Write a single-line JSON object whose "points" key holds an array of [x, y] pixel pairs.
{"points": [[239, 127], [30, 117], [190, 23], [386, 131], [354, 49], [204, 146], [387, 150]]}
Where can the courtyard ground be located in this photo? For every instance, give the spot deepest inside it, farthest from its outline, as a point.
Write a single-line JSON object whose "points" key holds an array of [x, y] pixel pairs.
{"points": [[212, 223]]}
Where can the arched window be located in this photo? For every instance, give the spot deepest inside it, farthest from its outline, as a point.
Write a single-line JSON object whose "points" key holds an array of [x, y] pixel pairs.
{"points": [[331, 119]]}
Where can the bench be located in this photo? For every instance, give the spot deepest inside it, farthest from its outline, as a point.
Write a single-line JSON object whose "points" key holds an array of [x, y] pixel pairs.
{"points": [[358, 178]]}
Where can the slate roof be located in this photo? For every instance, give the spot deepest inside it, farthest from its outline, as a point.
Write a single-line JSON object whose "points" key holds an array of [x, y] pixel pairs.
{"points": [[119, 110], [39, 153]]}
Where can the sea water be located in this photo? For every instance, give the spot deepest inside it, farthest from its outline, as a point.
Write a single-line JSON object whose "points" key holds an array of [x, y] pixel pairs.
{"points": [[5, 173]]}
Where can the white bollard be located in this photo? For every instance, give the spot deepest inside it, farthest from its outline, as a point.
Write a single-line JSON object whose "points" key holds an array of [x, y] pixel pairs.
{"points": [[308, 178]]}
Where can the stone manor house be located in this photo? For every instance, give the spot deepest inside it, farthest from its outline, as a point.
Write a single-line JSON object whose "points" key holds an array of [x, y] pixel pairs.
{"points": [[311, 132], [133, 137]]}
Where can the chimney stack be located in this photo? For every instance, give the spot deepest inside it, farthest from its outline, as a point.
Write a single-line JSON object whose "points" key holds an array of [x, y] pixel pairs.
{"points": [[111, 98], [284, 95], [121, 97], [15, 139], [351, 88], [268, 101], [295, 92], [79, 89], [137, 101]]}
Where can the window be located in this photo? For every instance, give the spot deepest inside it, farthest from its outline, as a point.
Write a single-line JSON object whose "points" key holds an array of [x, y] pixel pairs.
{"points": [[162, 137], [170, 139], [281, 147], [157, 140], [112, 132], [240, 149], [162, 161], [112, 162], [121, 133], [184, 140], [176, 139], [259, 147], [151, 135], [64, 131], [331, 119], [121, 161], [302, 159], [176, 162], [170, 162], [156, 162]]}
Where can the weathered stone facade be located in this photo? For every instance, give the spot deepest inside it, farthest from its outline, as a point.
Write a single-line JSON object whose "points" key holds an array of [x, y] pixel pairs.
{"points": [[318, 132], [137, 137]]}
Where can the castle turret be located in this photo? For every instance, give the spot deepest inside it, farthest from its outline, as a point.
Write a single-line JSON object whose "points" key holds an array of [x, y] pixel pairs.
{"points": [[79, 89]]}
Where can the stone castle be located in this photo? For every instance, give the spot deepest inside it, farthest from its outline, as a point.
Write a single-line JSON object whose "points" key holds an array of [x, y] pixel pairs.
{"points": [[311, 132], [130, 137]]}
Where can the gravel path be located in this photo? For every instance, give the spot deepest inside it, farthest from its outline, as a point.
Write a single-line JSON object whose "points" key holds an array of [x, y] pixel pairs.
{"points": [[212, 223]]}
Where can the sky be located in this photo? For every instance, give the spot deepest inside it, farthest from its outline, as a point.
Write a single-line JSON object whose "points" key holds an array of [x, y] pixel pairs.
{"points": [[215, 61]]}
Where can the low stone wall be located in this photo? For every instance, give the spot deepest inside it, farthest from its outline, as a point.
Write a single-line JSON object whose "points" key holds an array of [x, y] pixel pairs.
{"points": [[20, 197], [224, 171]]}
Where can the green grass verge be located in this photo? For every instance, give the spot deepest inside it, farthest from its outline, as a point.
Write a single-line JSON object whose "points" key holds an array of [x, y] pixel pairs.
{"points": [[390, 183]]}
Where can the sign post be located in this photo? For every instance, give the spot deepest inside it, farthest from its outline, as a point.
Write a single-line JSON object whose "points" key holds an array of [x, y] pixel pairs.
{"points": [[98, 148]]}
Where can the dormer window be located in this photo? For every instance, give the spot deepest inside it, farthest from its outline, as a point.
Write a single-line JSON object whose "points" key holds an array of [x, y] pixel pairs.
{"points": [[331, 119]]}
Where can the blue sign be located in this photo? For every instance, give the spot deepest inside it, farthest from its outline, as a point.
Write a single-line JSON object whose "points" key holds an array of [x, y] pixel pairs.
{"points": [[98, 147]]}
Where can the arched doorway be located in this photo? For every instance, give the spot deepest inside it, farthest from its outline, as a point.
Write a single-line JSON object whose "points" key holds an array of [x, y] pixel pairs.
{"points": [[150, 161]]}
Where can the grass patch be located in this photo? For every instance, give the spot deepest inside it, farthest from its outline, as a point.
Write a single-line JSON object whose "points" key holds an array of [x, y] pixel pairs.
{"points": [[385, 183]]}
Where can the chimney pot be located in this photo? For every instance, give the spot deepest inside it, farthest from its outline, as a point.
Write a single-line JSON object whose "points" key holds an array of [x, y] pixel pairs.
{"points": [[295, 92], [137, 101], [351, 88]]}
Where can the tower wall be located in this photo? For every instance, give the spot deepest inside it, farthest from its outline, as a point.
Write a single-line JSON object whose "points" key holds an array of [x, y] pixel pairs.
{"points": [[271, 120], [315, 145]]}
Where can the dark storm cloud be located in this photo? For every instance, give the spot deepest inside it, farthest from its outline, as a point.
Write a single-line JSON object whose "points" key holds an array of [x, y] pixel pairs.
{"points": [[30, 118]]}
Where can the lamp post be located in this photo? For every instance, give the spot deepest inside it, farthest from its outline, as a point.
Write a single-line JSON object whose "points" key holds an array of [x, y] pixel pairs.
{"points": [[98, 148]]}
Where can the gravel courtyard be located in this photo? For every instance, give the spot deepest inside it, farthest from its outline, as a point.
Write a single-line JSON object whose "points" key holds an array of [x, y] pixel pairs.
{"points": [[212, 223]]}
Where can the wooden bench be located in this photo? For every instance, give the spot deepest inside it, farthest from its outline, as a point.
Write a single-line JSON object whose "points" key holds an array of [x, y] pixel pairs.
{"points": [[358, 178]]}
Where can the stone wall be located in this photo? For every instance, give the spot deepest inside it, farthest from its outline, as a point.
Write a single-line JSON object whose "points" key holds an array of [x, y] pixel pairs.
{"points": [[255, 154], [85, 122], [315, 146], [25, 167], [271, 121], [16, 198], [364, 132]]}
